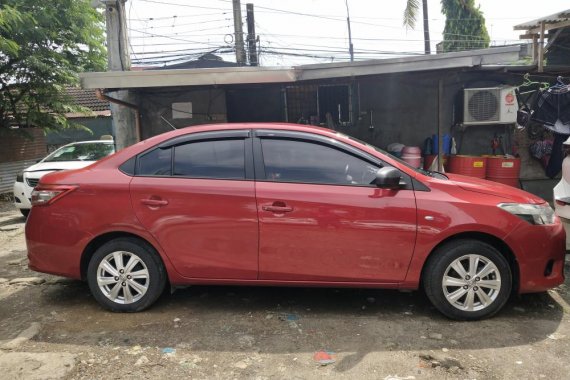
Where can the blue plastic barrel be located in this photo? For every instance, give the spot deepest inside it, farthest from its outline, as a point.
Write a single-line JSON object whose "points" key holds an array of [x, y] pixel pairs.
{"points": [[446, 144]]}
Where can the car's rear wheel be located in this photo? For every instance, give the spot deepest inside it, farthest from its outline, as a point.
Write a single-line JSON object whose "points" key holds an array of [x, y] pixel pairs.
{"points": [[126, 275], [467, 280]]}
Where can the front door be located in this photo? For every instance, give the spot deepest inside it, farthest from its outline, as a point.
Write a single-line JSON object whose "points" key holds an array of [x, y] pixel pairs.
{"points": [[321, 219], [198, 200]]}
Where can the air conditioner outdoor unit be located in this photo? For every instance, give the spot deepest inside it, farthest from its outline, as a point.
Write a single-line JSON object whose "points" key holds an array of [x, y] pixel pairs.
{"points": [[493, 105]]}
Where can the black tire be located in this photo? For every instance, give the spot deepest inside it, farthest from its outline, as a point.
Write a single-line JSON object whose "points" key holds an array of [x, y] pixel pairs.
{"points": [[25, 212], [440, 263], [145, 256]]}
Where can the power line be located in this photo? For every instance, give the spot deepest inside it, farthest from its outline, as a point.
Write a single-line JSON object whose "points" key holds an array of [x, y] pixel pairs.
{"points": [[343, 51], [360, 39], [188, 23], [182, 32], [342, 17], [148, 19], [172, 51], [183, 5], [169, 37]]}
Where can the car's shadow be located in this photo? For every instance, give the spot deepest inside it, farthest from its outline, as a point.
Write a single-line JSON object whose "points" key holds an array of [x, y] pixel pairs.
{"points": [[11, 218], [286, 320]]}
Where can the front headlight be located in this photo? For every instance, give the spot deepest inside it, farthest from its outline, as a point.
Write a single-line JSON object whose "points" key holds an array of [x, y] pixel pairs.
{"points": [[534, 214], [20, 177]]}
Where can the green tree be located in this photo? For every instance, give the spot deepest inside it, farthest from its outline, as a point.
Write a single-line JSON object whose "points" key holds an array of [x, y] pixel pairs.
{"points": [[43, 46], [464, 26], [411, 16]]}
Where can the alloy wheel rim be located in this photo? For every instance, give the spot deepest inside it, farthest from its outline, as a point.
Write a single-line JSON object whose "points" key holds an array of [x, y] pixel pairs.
{"points": [[471, 282], [123, 277]]}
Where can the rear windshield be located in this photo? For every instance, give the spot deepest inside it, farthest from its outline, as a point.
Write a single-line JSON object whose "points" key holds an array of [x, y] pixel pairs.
{"points": [[81, 152]]}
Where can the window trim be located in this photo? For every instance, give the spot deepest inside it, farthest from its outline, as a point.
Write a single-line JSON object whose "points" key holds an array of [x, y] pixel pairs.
{"points": [[315, 139], [240, 134], [210, 135]]}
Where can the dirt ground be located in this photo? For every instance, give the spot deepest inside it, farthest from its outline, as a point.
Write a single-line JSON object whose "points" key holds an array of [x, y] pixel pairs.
{"points": [[51, 328]]}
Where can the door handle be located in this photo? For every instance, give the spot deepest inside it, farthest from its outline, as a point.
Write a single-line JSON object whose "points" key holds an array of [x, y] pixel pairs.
{"points": [[154, 202], [278, 208]]}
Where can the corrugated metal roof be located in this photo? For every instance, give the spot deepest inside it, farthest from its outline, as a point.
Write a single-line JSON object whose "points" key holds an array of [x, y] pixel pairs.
{"points": [[251, 75], [552, 19]]}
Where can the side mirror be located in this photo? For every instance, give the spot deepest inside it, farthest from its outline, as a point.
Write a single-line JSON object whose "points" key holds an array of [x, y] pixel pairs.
{"points": [[388, 178]]}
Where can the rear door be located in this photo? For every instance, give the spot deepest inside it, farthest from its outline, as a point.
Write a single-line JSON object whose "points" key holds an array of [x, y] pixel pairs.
{"points": [[196, 195], [322, 219]]}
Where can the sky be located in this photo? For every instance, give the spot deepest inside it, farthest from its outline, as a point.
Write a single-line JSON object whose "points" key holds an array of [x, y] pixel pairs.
{"points": [[294, 32]]}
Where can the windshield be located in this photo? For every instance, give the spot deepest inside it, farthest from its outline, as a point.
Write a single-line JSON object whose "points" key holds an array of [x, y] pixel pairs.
{"points": [[418, 170], [81, 152]]}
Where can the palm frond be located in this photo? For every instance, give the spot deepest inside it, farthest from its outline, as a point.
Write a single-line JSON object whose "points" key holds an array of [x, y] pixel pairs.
{"points": [[411, 13]]}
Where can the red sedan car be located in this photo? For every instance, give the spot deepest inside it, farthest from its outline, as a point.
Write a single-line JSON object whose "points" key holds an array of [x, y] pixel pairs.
{"points": [[288, 205]]}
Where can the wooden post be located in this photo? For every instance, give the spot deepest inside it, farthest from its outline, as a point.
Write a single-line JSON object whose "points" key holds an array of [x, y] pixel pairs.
{"points": [[541, 49], [535, 49]]}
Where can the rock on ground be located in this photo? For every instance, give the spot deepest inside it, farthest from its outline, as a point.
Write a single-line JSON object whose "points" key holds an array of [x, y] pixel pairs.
{"points": [[32, 366]]}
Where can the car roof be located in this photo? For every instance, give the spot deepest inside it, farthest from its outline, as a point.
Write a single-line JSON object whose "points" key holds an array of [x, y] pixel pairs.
{"points": [[128, 152], [91, 142]]}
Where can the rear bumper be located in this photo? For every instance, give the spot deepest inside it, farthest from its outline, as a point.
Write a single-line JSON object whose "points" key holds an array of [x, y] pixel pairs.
{"points": [[540, 252], [54, 247]]}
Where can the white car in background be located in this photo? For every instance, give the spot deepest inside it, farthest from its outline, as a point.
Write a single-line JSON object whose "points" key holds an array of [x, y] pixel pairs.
{"points": [[71, 156], [562, 194]]}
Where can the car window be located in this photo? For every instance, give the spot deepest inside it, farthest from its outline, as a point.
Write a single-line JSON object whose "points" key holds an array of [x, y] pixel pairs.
{"points": [[223, 159], [308, 162], [155, 162], [81, 152]]}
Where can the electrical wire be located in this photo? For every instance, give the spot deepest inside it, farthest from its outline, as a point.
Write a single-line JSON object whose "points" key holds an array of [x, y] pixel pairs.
{"points": [[182, 5], [343, 17], [169, 37], [189, 23], [176, 16], [180, 34]]}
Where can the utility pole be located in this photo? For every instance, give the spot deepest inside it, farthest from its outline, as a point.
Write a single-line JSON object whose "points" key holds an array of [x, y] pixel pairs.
{"points": [[119, 60], [427, 48], [350, 47], [251, 42], [240, 50]]}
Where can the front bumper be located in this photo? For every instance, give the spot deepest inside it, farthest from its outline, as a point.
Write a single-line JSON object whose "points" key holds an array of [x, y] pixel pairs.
{"points": [[540, 253], [22, 195], [566, 224]]}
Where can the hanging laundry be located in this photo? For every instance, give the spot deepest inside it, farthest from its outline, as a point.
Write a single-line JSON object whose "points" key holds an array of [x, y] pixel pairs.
{"points": [[527, 100], [552, 108], [541, 150], [555, 162]]}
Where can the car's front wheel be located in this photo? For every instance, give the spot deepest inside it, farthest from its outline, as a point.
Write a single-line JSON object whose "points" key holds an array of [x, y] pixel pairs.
{"points": [[126, 275], [467, 280]]}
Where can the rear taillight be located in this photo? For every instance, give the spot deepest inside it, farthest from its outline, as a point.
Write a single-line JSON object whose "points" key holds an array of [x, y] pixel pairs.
{"points": [[563, 201], [45, 195]]}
